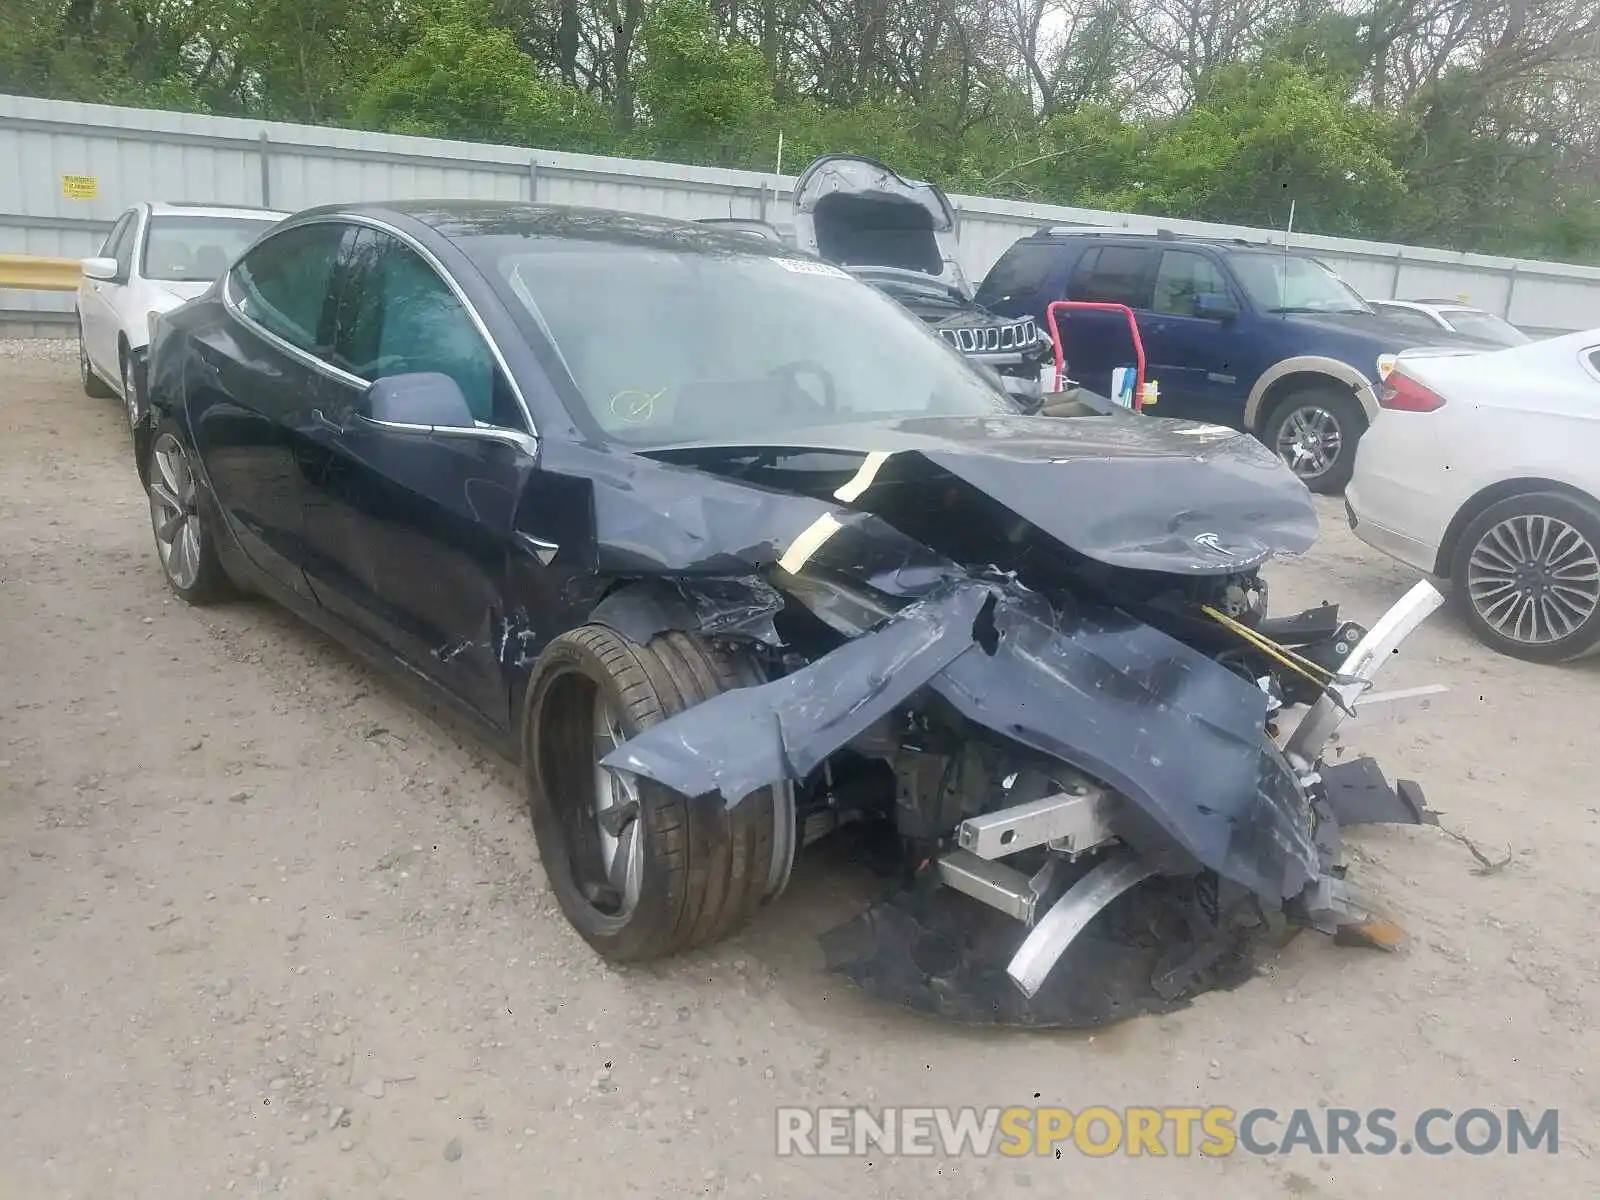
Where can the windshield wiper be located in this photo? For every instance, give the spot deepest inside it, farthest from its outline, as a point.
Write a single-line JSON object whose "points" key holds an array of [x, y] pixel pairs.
{"points": [[1306, 308]]}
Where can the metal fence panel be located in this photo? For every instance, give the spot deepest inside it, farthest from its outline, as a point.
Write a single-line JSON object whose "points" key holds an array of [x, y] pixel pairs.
{"points": [[137, 154]]}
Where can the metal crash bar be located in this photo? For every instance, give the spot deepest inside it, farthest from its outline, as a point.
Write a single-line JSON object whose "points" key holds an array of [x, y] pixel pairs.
{"points": [[34, 273]]}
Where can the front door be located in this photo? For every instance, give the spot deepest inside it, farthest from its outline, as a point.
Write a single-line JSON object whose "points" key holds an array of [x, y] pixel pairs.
{"points": [[409, 535], [1199, 361], [103, 302]]}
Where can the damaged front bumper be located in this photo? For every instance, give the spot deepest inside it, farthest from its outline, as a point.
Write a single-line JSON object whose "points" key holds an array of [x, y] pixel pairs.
{"points": [[1169, 782]]}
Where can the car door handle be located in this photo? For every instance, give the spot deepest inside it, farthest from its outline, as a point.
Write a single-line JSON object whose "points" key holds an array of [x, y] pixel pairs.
{"points": [[327, 422]]}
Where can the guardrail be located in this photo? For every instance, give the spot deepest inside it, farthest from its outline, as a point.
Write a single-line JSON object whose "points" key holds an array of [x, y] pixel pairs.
{"points": [[33, 273]]}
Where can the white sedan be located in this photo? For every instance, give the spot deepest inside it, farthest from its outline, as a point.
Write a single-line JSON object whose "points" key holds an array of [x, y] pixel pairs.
{"points": [[1485, 467], [156, 257]]}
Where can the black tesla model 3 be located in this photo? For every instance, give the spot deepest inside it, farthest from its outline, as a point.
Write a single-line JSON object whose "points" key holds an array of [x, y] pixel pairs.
{"points": [[727, 550]]}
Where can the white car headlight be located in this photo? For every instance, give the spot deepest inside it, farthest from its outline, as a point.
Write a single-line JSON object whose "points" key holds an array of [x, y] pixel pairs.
{"points": [[1385, 365]]}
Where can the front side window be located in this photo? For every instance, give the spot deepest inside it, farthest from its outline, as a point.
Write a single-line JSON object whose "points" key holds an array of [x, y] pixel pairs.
{"points": [[1282, 283], [1182, 278], [195, 249], [120, 233], [663, 345], [283, 283], [1115, 275], [399, 317]]}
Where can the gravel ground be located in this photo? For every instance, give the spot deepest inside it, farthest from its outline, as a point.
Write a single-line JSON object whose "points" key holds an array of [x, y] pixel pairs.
{"points": [[267, 929]]}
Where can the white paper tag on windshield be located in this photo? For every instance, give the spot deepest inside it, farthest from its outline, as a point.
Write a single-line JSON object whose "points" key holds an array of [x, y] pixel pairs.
{"points": [[801, 266]]}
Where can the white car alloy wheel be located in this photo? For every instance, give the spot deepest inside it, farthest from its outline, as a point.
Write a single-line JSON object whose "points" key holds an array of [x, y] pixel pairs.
{"points": [[129, 396], [1528, 572]]}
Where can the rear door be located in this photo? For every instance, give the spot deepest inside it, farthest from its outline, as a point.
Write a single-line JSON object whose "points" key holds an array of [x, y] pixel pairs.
{"points": [[409, 535], [1198, 361], [1095, 343], [263, 377]]}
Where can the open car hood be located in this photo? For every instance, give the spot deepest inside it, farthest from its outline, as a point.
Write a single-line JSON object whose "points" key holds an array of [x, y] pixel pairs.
{"points": [[1171, 496], [857, 212]]}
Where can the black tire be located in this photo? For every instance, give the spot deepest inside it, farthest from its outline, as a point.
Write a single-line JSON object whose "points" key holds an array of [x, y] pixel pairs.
{"points": [[705, 868], [1337, 407], [93, 386], [1489, 542], [207, 581]]}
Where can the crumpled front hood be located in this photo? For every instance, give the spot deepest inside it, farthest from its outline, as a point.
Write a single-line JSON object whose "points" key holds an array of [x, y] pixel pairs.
{"points": [[1127, 491]]}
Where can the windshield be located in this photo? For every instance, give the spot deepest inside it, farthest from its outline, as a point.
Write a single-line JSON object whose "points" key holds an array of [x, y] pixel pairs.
{"points": [[185, 249], [1284, 283], [667, 346], [1486, 326]]}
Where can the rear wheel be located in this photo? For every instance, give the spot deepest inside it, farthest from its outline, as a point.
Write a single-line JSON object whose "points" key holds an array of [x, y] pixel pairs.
{"points": [[641, 871], [1527, 574], [1315, 431], [93, 385], [181, 524]]}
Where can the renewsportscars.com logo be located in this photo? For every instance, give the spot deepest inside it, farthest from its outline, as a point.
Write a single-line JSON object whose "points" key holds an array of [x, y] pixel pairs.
{"points": [[1179, 1131]]}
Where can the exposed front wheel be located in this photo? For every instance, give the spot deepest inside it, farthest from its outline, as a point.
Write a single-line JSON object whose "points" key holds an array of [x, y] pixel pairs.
{"points": [[1315, 432], [639, 870], [1527, 574]]}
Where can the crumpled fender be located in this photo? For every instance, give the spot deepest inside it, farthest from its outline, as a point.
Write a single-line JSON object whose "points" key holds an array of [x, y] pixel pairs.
{"points": [[1181, 737], [715, 606]]}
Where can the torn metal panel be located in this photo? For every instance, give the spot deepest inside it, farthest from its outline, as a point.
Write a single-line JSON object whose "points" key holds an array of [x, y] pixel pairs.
{"points": [[1173, 732], [743, 740], [1358, 794]]}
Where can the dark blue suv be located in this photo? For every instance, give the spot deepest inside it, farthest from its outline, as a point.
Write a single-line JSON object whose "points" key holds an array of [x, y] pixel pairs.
{"points": [[1235, 333]]}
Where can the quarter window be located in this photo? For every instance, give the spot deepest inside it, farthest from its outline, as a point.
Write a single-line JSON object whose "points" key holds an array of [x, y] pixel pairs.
{"points": [[1115, 275], [399, 316], [283, 283], [1182, 278]]}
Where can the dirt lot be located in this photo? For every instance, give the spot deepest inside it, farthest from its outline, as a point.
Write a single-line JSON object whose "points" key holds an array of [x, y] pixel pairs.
{"points": [[269, 930]]}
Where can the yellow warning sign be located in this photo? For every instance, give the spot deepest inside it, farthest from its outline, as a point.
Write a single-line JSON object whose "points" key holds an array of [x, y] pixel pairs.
{"points": [[80, 187]]}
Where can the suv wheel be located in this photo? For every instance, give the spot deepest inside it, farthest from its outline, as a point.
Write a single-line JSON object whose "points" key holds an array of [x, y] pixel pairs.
{"points": [[1315, 431]]}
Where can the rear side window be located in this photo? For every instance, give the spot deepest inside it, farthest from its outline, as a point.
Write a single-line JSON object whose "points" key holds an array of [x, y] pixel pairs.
{"points": [[283, 283], [1020, 273], [1115, 275]]}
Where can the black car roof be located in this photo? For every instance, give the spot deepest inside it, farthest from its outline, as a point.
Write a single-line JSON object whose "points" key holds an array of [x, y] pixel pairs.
{"points": [[463, 219]]}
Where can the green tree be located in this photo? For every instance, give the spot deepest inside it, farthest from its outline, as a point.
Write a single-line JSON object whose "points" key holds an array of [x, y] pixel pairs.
{"points": [[703, 92]]}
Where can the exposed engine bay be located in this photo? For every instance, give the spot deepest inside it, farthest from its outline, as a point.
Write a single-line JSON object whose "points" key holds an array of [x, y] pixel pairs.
{"points": [[1039, 652]]}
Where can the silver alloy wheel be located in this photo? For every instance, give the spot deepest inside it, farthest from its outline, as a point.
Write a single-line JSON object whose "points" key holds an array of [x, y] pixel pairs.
{"points": [[622, 854], [1534, 579], [1309, 440], [174, 512]]}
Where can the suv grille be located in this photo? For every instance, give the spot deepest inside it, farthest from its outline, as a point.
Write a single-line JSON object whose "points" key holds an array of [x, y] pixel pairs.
{"points": [[993, 338]]}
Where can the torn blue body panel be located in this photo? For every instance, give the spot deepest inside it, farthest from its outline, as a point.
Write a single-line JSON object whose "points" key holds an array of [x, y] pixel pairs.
{"points": [[1177, 734]]}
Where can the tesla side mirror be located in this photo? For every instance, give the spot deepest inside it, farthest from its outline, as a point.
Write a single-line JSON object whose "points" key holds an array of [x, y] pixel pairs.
{"points": [[100, 268], [1213, 307], [419, 398]]}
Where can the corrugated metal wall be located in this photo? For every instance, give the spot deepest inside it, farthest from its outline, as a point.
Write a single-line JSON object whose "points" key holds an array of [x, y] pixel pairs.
{"points": [[136, 154]]}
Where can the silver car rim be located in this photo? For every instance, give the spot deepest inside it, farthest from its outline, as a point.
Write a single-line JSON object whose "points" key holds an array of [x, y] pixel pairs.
{"points": [[1310, 440], [1534, 579], [174, 513], [622, 855]]}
